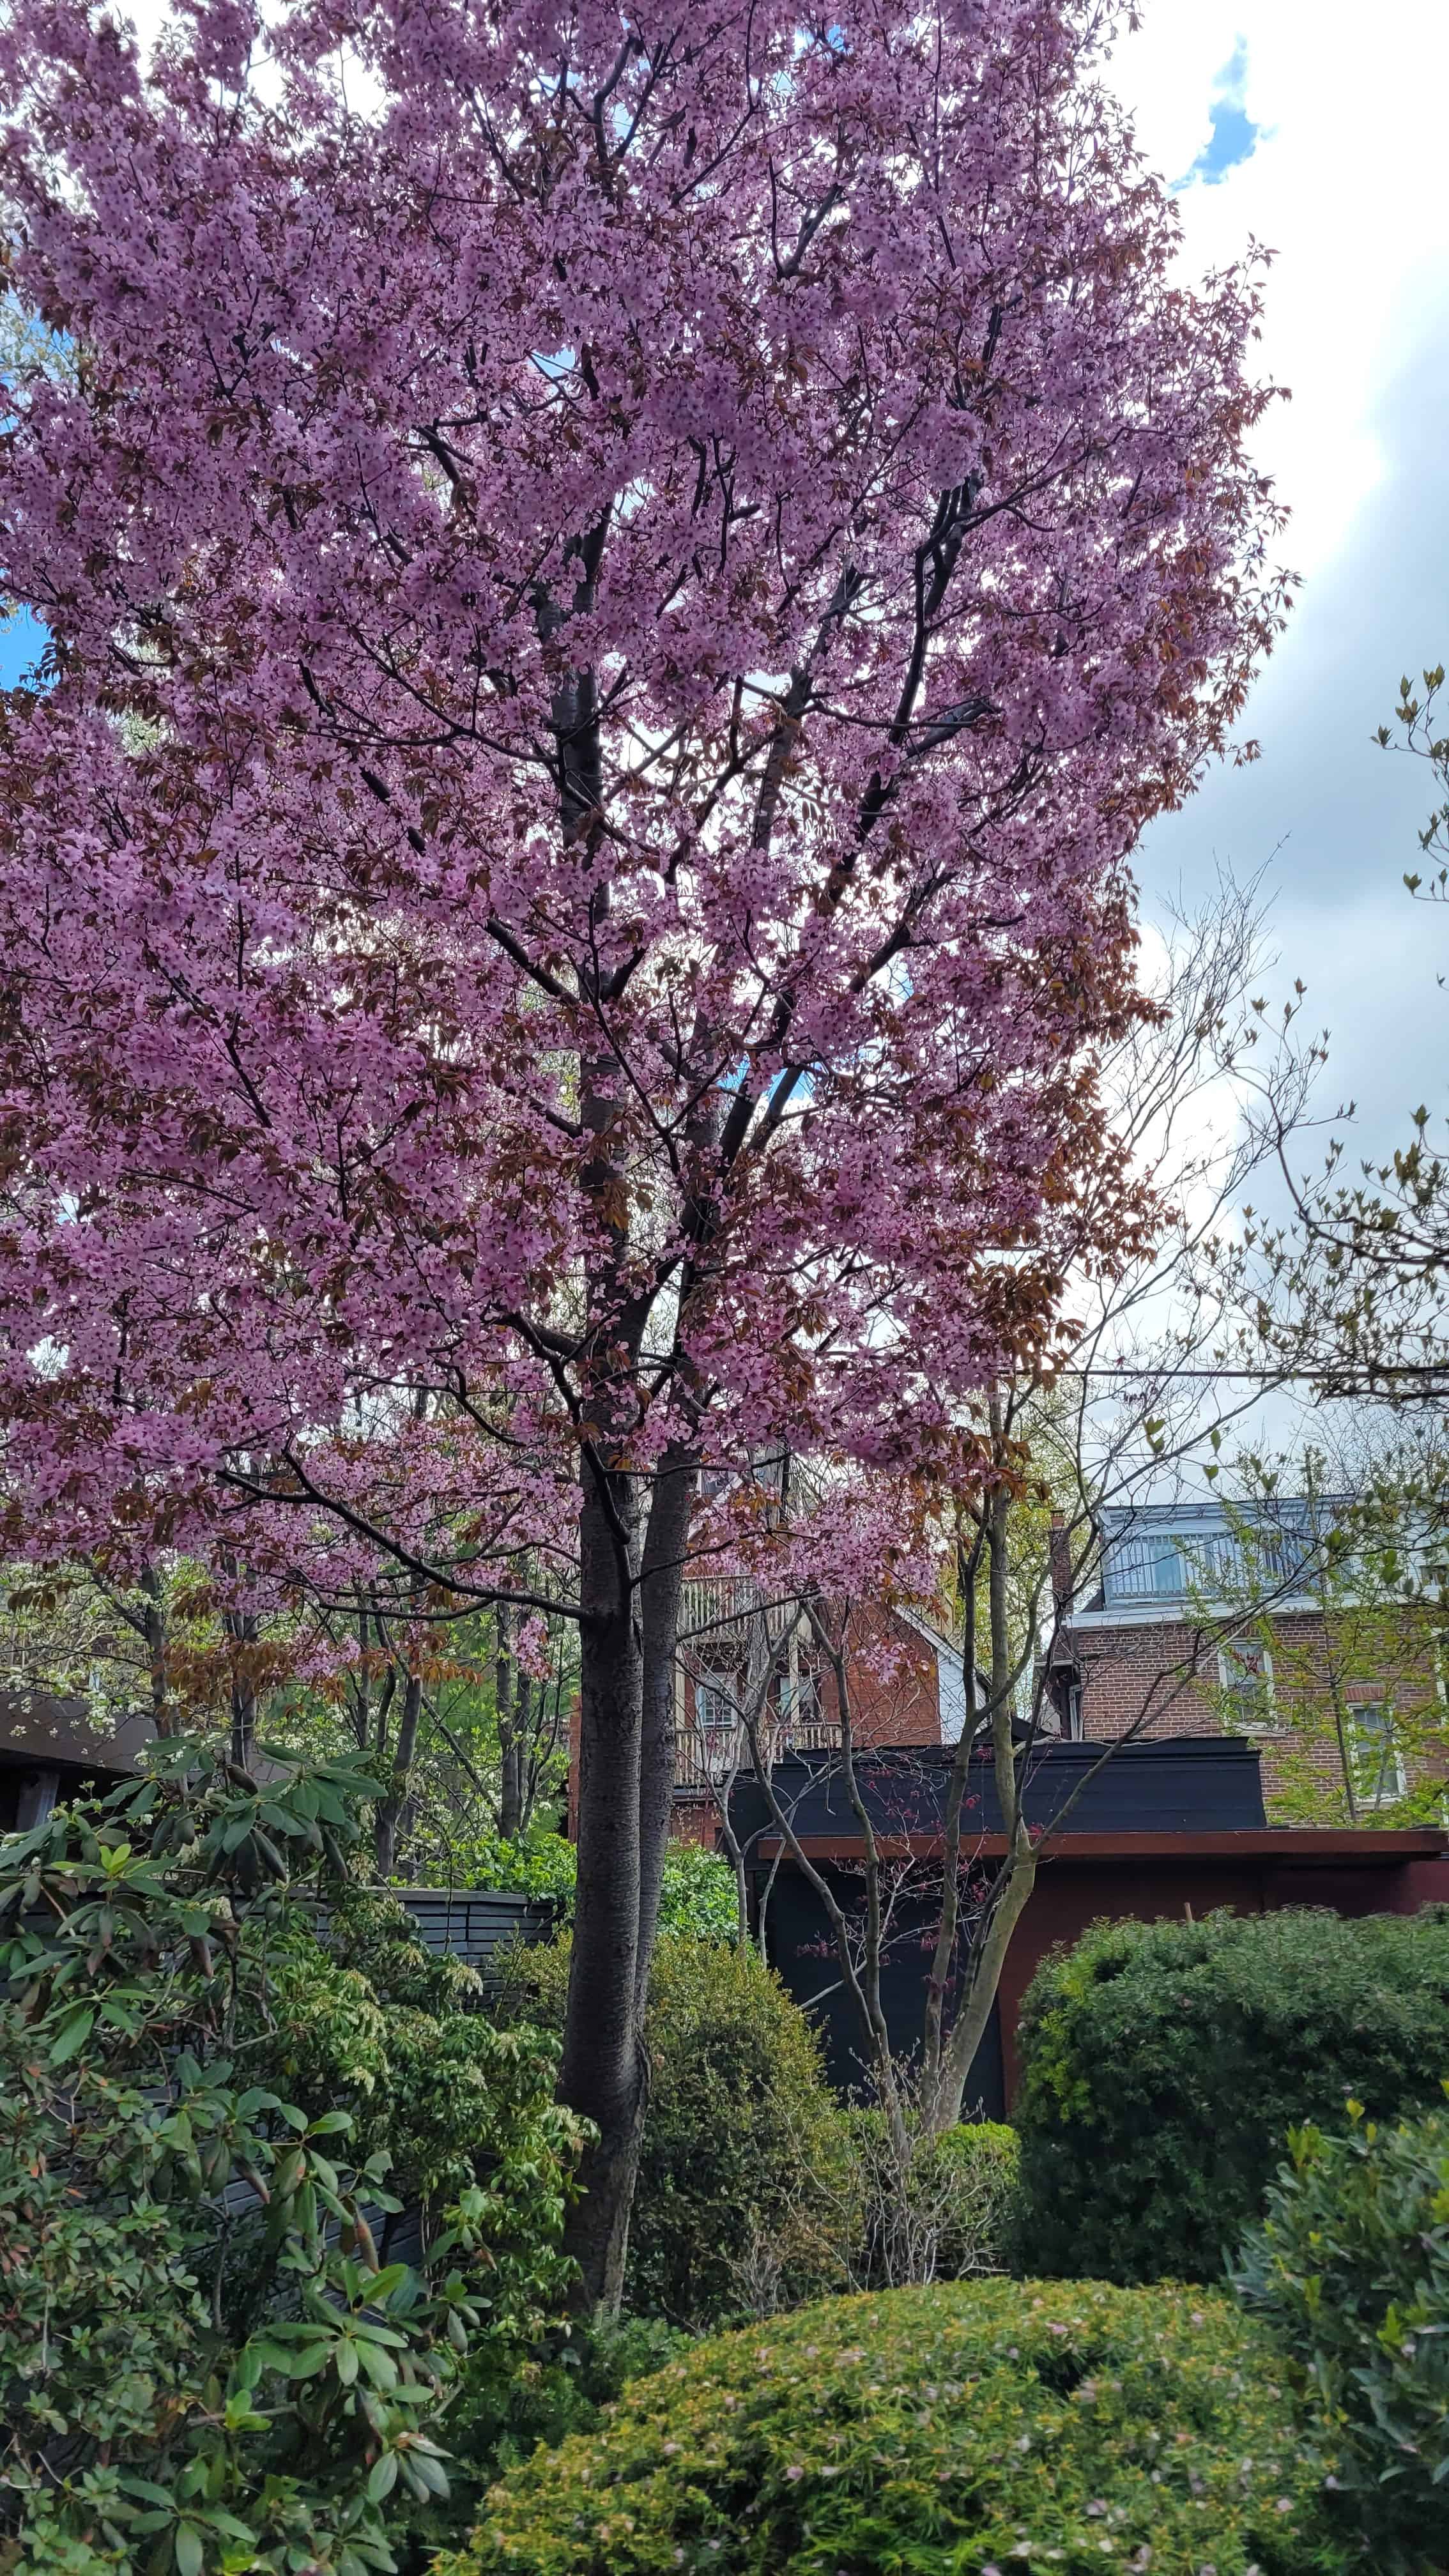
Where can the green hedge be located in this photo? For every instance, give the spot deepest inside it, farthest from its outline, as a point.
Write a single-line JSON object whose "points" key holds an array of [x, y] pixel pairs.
{"points": [[745, 2166], [953, 2431], [1351, 2271], [1164, 2063]]}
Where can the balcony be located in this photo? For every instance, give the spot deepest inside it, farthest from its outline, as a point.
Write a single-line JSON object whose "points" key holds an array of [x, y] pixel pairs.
{"points": [[707, 1759], [720, 1605], [1161, 1559]]}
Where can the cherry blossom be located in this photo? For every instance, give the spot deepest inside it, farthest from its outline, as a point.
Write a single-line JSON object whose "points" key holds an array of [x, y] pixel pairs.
{"points": [[621, 591]]}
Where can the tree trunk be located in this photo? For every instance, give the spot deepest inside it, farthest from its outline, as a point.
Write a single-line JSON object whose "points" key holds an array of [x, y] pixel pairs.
{"points": [[391, 1808], [241, 1629], [155, 1628], [660, 1590], [510, 1799], [1018, 1873], [602, 2074]]}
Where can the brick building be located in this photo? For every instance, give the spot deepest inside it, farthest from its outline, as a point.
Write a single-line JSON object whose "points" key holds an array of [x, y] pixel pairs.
{"points": [[902, 1678], [1180, 1637]]}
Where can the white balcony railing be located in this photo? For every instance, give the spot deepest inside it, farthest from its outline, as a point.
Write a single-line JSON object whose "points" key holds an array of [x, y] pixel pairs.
{"points": [[706, 1759], [725, 1603]]}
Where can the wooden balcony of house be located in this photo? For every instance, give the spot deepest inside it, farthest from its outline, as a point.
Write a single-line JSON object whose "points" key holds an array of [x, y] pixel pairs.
{"points": [[707, 1759], [724, 1604]]}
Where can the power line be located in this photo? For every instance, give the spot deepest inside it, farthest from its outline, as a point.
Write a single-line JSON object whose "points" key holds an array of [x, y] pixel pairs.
{"points": [[1424, 1371]]}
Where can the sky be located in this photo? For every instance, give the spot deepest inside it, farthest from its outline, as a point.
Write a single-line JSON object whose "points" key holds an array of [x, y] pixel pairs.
{"points": [[1319, 132]]}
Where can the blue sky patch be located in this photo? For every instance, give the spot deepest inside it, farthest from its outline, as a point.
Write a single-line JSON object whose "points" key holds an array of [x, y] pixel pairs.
{"points": [[22, 641], [1234, 134]]}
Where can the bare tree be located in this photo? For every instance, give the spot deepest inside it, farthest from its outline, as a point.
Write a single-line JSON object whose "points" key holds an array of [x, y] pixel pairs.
{"points": [[1143, 1393]]}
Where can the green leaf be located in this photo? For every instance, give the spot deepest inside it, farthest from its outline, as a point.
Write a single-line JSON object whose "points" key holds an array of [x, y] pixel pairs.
{"points": [[382, 2477], [74, 2033], [383, 2284], [190, 2550]]}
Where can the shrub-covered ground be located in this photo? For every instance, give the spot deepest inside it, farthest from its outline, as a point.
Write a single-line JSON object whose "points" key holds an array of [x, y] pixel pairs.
{"points": [[967, 2430]]}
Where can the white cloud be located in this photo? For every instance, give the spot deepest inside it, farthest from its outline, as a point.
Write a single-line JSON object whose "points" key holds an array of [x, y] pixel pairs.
{"points": [[1345, 185]]}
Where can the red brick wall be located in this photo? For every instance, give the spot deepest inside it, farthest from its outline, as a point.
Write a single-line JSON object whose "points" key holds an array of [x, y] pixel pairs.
{"points": [[891, 1678], [1165, 1667]]}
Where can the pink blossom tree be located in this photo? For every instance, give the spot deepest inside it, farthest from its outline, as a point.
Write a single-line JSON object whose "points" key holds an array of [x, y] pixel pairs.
{"points": [[621, 590]]}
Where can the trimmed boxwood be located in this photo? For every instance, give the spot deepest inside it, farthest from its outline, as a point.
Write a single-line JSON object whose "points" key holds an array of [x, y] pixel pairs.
{"points": [[965, 2430], [1351, 2271], [1162, 2065]]}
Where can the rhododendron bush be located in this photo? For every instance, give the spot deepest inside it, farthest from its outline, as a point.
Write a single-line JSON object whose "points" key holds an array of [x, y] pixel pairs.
{"points": [[621, 588]]}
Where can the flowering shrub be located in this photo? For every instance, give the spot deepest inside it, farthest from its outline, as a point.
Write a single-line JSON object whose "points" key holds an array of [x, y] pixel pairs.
{"points": [[1351, 2271], [1163, 2063], [979, 2428], [205, 2362]]}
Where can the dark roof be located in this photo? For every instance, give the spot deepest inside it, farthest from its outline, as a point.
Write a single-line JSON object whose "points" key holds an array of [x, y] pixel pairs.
{"points": [[43, 1733], [1185, 1784]]}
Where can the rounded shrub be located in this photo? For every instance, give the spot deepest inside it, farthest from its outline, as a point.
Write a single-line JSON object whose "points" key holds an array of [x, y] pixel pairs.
{"points": [[1351, 2271], [970, 2429], [1162, 2065], [745, 2166]]}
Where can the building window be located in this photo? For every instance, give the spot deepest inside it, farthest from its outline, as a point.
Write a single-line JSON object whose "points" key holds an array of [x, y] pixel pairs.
{"points": [[714, 1703], [1245, 1675], [800, 1698], [1378, 1769]]}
